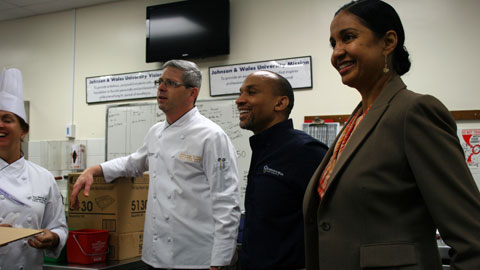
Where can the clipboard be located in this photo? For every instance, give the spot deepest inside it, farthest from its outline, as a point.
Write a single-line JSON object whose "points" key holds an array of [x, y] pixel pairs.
{"points": [[11, 234], [323, 130]]}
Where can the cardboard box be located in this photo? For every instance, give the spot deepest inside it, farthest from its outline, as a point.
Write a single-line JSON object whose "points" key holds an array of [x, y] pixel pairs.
{"points": [[123, 246], [118, 206]]}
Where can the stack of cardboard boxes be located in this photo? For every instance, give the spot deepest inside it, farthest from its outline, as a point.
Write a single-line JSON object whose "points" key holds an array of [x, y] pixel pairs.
{"points": [[118, 207]]}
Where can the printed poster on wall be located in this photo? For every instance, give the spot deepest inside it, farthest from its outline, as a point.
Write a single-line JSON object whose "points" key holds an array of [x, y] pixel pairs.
{"points": [[470, 141], [125, 86], [226, 80]]}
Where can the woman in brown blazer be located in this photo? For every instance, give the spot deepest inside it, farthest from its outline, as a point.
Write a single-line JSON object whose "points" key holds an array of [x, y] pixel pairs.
{"points": [[396, 172]]}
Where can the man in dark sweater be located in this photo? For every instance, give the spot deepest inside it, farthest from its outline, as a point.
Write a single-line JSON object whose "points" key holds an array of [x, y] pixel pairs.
{"points": [[283, 161]]}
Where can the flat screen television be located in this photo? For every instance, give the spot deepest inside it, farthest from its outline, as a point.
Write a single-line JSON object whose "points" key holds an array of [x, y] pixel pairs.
{"points": [[188, 29]]}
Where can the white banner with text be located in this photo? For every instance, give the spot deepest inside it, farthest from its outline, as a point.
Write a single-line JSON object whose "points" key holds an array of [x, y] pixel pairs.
{"points": [[226, 80], [126, 86]]}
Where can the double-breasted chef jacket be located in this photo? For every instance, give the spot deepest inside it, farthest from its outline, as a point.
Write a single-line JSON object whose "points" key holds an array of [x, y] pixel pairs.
{"points": [[35, 202], [193, 208]]}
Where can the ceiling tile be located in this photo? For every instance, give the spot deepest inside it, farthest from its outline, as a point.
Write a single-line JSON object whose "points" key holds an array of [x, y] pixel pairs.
{"points": [[14, 9], [23, 3], [4, 5], [13, 13]]}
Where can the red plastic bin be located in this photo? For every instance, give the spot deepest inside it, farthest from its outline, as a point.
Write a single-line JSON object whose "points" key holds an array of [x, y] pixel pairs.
{"points": [[87, 246]]}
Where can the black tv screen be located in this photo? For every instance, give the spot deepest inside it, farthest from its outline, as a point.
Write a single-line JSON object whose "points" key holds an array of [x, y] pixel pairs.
{"points": [[188, 29]]}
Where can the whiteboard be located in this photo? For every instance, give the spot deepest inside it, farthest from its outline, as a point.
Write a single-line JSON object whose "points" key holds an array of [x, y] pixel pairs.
{"points": [[127, 125]]}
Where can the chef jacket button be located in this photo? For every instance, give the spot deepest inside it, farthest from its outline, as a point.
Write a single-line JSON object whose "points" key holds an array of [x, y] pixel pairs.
{"points": [[20, 267], [24, 178], [25, 242], [169, 239], [154, 217], [2, 196], [155, 238], [325, 226], [29, 219], [167, 217], [154, 196], [172, 156], [182, 137], [169, 196]]}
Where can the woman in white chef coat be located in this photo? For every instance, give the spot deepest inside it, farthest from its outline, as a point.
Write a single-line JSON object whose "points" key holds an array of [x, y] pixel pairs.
{"points": [[29, 195]]}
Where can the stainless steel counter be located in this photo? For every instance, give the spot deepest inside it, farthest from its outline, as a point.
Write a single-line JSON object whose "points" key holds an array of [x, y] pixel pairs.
{"points": [[129, 264]]}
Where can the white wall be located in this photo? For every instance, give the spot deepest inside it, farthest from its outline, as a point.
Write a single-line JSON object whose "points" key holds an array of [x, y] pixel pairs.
{"points": [[441, 35]]}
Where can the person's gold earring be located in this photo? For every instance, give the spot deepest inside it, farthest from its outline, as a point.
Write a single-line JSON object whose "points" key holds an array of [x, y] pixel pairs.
{"points": [[385, 68]]}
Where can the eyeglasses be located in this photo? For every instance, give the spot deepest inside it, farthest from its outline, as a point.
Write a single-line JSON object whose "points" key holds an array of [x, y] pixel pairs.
{"points": [[169, 83]]}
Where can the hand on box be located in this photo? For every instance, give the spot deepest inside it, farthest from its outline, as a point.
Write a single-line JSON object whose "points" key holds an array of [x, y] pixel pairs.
{"points": [[84, 181], [45, 240]]}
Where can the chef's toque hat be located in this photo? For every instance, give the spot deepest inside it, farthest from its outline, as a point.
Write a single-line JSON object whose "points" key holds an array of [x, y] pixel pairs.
{"points": [[11, 92]]}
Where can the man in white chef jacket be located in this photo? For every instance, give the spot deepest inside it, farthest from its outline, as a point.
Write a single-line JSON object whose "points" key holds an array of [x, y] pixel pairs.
{"points": [[193, 207]]}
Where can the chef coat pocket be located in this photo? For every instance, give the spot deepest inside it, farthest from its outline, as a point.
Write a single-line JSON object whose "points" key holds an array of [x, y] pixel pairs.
{"points": [[401, 255]]}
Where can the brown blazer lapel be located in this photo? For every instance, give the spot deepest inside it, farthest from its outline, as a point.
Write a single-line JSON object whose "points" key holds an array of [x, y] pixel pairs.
{"points": [[311, 197], [375, 113]]}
